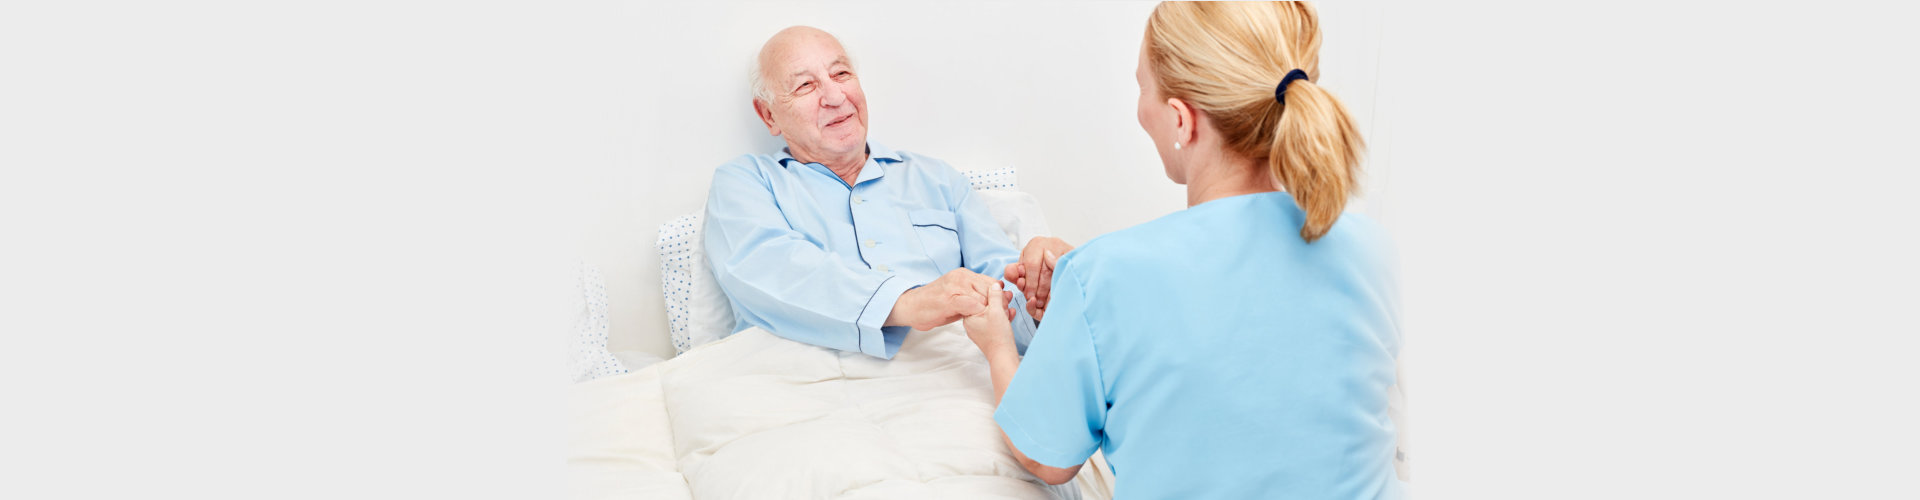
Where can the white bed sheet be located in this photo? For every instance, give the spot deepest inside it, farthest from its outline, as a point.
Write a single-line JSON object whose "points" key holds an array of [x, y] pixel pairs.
{"points": [[619, 445], [758, 416]]}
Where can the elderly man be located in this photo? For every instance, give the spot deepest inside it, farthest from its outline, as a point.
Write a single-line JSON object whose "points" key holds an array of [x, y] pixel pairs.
{"points": [[841, 243]]}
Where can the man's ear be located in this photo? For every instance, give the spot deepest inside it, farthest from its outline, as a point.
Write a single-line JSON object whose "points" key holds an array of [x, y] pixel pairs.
{"points": [[766, 116], [1185, 127]]}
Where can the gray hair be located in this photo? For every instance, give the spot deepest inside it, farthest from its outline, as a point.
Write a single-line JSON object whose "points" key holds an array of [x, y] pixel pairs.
{"points": [[757, 82]]}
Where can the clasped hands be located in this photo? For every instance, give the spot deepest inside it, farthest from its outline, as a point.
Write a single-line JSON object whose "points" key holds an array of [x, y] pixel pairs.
{"points": [[978, 300]]}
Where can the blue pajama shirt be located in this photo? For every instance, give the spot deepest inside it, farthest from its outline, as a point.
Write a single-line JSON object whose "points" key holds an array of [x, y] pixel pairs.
{"points": [[806, 256]]}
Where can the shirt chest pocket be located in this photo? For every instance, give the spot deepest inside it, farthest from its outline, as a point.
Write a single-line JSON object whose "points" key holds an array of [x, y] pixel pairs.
{"points": [[939, 237]]}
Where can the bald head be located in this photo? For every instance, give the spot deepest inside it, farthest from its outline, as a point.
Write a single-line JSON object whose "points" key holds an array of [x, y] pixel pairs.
{"points": [[806, 91], [786, 44]]}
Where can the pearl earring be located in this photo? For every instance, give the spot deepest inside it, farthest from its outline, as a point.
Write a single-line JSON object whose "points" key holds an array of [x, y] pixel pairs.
{"points": [[1176, 146]]}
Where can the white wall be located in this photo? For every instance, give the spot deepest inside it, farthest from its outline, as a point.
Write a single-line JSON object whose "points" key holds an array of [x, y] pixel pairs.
{"points": [[1046, 87]]}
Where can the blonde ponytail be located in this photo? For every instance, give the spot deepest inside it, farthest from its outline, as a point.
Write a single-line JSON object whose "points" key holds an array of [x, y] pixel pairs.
{"points": [[1226, 59], [1316, 155]]}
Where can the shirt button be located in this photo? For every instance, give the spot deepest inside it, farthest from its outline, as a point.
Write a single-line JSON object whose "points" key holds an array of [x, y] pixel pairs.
{"points": [[871, 243], [857, 200], [883, 268]]}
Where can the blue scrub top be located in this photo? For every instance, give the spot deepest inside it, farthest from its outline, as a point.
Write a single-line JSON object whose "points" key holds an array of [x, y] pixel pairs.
{"points": [[1212, 353]]}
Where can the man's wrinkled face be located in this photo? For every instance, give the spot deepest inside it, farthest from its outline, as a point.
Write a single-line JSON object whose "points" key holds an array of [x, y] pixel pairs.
{"points": [[817, 104]]}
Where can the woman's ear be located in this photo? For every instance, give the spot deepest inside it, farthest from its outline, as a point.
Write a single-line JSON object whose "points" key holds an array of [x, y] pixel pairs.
{"points": [[1184, 130]]}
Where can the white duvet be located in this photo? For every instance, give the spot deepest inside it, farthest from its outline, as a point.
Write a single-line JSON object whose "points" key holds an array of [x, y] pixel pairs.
{"points": [[758, 416]]}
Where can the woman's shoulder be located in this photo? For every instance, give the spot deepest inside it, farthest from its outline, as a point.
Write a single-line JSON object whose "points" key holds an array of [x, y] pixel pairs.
{"points": [[1364, 234], [1184, 228], [1237, 222], [1138, 245]]}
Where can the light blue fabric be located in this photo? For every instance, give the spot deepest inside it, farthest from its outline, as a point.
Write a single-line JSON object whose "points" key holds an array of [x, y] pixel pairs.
{"points": [[1213, 354], [804, 255]]}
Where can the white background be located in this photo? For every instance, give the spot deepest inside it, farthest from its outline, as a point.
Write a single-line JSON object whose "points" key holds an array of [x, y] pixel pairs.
{"points": [[321, 250]]}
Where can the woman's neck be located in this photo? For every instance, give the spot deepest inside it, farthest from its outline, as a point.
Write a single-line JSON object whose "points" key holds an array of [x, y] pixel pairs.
{"points": [[1224, 176]]}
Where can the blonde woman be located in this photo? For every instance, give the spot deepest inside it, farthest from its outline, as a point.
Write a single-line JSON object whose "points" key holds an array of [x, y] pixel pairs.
{"points": [[1243, 347]]}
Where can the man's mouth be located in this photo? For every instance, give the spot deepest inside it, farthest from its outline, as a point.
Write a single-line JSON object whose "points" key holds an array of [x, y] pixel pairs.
{"points": [[838, 121]]}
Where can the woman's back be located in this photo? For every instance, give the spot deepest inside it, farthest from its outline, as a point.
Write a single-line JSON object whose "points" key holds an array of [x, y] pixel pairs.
{"points": [[1218, 332]]}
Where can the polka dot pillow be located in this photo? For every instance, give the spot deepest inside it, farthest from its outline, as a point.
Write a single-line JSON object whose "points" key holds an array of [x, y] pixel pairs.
{"points": [[697, 311], [587, 355], [982, 180]]}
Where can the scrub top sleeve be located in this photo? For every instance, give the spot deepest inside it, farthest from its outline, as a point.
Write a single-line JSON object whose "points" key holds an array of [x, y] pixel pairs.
{"points": [[1055, 409]]}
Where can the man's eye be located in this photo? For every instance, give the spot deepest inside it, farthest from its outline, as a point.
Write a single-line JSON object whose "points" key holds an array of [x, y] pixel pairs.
{"points": [[803, 86]]}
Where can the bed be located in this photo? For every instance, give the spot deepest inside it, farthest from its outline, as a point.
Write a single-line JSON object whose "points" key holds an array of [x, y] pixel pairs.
{"points": [[753, 415], [758, 416]]}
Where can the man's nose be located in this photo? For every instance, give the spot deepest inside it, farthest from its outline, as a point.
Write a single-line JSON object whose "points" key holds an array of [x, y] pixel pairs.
{"points": [[835, 95]]}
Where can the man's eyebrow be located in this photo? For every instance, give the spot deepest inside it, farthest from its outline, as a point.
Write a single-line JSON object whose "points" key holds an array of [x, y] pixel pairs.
{"points": [[795, 76], [841, 61]]}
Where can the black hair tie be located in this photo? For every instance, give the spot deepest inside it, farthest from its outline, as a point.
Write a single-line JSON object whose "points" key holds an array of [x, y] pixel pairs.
{"points": [[1280, 93]]}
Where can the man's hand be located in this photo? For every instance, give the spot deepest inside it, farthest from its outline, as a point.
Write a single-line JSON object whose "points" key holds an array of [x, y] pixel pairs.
{"points": [[988, 330], [1034, 272], [957, 294]]}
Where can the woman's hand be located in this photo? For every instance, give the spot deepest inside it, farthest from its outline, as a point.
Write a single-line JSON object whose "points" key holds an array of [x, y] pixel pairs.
{"points": [[949, 298], [1034, 272], [992, 329], [994, 337]]}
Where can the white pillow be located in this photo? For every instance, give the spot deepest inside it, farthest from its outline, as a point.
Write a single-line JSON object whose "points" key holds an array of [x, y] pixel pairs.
{"points": [[698, 312], [587, 356], [1017, 213]]}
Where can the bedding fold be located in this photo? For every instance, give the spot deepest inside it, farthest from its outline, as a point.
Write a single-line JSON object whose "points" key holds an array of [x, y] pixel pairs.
{"points": [[809, 422], [757, 416]]}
